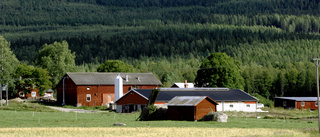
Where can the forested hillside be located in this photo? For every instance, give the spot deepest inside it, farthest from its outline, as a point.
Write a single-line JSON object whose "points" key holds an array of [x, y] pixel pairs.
{"points": [[274, 41]]}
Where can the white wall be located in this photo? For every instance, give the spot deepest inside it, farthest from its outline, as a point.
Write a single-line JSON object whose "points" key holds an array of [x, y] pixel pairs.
{"points": [[236, 106]]}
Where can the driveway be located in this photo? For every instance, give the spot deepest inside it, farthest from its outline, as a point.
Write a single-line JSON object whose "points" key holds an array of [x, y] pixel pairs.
{"points": [[73, 110]]}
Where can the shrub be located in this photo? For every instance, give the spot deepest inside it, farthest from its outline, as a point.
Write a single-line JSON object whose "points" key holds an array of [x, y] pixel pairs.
{"points": [[263, 100]]}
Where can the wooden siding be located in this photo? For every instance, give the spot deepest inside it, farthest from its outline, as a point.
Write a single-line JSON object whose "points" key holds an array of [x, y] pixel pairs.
{"points": [[192, 113], [132, 98], [307, 105], [250, 102], [100, 94], [27, 95], [203, 108]]}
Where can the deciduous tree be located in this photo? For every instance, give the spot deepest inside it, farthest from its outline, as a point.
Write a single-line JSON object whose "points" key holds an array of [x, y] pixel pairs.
{"points": [[57, 59], [219, 70], [8, 63], [115, 66]]}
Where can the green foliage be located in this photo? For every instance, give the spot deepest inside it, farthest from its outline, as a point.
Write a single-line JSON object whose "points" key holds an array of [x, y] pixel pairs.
{"points": [[115, 66], [152, 97], [219, 70], [273, 41], [8, 63], [32, 78], [57, 59], [263, 100], [152, 113]]}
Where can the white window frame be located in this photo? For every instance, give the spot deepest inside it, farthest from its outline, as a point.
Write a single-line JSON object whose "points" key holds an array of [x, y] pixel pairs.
{"points": [[21, 94], [231, 105], [33, 94], [88, 88], [302, 103], [88, 95]]}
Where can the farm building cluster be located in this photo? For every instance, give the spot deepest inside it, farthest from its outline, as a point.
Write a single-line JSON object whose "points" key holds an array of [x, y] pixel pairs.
{"points": [[129, 92]]}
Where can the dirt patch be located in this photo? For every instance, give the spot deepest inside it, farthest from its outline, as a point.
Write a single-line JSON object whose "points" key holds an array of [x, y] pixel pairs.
{"points": [[73, 110]]}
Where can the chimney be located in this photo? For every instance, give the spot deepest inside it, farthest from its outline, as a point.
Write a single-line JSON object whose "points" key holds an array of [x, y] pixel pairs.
{"points": [[185, 84]]}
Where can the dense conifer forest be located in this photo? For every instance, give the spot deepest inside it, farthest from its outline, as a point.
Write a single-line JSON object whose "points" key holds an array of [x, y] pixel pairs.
{"points": [[273, 41]]}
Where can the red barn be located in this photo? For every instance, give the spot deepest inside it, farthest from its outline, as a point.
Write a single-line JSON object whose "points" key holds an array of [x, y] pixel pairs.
{"points": [[96, 88], [190, 107]]}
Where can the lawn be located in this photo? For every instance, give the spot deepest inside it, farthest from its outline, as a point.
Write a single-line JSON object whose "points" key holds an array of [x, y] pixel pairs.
{"points": [[19, 119]]}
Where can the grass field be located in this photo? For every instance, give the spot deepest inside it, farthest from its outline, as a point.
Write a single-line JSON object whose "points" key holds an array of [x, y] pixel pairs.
{"points": [[31, 119]]}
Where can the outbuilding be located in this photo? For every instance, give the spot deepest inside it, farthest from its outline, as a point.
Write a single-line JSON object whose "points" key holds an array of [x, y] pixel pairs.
{"points": [[190, 107], [296, 102], [227, 99]]}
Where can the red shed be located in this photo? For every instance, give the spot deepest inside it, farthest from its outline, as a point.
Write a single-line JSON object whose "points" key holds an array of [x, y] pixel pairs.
{"points": [[190, 107], [96, 88], [296, 102]]}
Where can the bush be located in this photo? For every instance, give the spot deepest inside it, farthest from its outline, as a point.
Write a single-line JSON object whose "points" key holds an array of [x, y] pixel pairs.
{"points": [[263, 100], [153, 113]]}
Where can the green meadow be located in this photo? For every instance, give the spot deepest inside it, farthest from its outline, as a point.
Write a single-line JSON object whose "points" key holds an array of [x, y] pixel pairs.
{"points": [[33, 115]]}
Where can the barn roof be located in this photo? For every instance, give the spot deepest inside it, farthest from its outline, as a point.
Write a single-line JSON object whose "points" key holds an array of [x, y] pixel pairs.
{"points": [[188, 100], [298, 98], [216, 94], [102, 78]]}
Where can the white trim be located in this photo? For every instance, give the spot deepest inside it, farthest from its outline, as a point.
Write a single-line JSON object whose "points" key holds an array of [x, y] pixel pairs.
{"points": [[87, 97], [132, 90]]}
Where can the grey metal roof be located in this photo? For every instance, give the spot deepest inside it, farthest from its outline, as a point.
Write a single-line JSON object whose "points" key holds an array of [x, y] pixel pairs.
{"points": [[298, 98], [186, 100], [216, 94], [102, 78]]}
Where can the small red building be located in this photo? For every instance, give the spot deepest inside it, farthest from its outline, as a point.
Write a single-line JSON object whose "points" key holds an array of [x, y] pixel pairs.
{"points": [[296, 102], [33, 94], [96, 88], [190, 107]]}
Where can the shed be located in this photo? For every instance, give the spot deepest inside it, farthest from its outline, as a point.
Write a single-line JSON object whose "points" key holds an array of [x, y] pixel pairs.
{"points": [[296, 102], [190, 107]]}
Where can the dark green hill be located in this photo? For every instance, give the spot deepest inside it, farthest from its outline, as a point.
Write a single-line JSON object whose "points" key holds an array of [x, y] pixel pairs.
{"points": [[273, 40], [111, 29]]}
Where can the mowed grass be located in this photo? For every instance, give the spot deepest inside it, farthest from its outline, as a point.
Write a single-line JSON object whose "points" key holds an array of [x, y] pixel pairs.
{"points": [[27, 120], [107, 119]]}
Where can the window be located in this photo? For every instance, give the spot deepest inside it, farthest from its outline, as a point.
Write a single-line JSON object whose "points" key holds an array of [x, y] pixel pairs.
{"points": [[88, 97], [316, 103], [88, 88], [284, 103], [231, 106], [33, 94], [302, 103], [21, 94], [248, 105]]}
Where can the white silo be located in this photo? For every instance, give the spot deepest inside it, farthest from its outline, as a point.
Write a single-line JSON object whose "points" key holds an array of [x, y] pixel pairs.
{"points": [[118, 88]]}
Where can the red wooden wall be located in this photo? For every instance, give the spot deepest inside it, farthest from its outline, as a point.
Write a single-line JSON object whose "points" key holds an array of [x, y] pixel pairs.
{"points": [[100, 94]]}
